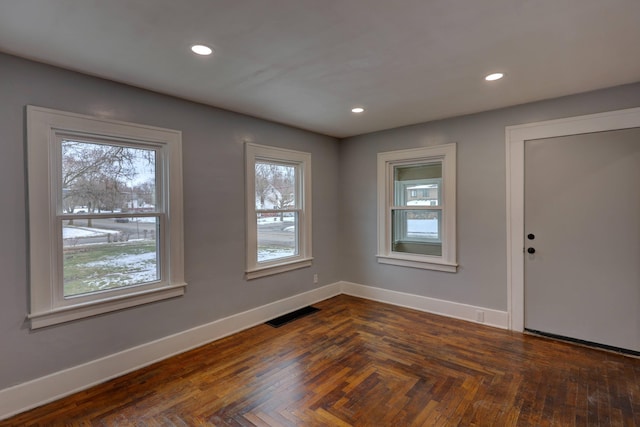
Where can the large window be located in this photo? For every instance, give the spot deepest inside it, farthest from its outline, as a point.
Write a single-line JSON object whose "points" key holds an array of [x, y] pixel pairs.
{"points": [[278, 210], [105, 215], [416, 208]]}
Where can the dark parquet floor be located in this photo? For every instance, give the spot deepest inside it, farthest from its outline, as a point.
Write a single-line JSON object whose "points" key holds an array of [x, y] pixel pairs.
{"points": [[362, 363]]}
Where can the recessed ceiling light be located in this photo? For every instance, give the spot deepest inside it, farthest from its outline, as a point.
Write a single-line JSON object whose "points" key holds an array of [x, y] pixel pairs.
{"points": [[494, 76], [357, 110], [201, 49]]}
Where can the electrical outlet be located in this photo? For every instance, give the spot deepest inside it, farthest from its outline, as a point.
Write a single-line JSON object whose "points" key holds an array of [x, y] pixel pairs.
{"points": [[480, 316], [315, 278]]}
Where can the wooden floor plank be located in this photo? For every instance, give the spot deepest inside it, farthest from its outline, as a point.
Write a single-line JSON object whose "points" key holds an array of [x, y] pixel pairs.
{"points": [[363, 363]]}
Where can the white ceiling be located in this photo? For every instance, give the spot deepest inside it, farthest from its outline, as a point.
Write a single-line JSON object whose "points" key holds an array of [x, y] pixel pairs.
{"points": [[306, 63]]}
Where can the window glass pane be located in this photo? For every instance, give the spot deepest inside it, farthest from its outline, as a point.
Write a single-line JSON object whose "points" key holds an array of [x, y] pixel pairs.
{"points": [[417, 231], [277, 235], [275, 186], [418, 185], [108, 253], [99, 178]]}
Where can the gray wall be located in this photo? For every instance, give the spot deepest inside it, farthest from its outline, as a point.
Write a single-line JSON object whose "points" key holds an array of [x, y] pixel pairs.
{"points": [[344, 211], [481, 197], [214, 218]]}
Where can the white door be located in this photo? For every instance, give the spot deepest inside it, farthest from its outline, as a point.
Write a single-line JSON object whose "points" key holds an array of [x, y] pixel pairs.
{"points": [[582, 223]]}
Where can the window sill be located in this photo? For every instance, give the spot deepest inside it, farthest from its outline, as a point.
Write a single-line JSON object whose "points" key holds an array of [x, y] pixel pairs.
{"points": [[67, 314], [278, 268], [418, 263]]}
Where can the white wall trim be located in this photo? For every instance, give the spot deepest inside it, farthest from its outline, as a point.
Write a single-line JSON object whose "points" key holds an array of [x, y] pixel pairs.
{"points": [[37, 392], [25, 396], [515, 138], [456, 310]]}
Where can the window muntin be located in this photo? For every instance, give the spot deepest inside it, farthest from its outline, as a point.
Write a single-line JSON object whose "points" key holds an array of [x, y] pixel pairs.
{"points": [[279, 210], [416, 208], [104, 232]]}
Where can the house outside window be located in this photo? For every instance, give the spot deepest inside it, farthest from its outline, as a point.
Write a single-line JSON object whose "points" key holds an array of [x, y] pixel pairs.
{"points": [[278, 210], [416, 208], [105, 215]]}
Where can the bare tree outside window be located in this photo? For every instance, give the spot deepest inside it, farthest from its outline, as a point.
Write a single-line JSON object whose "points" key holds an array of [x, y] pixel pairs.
{"points": [[97, 176]]}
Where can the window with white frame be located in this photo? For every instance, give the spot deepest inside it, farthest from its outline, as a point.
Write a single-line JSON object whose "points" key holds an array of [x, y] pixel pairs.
{"points": [[105, 215], [417, 208], [278, 190]]}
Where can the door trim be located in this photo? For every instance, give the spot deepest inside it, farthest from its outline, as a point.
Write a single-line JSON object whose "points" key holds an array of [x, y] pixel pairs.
{"points": [[515, 139]]}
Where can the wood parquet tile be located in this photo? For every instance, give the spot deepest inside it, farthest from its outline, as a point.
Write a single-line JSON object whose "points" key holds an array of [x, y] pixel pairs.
{"points": [[362, 363]]}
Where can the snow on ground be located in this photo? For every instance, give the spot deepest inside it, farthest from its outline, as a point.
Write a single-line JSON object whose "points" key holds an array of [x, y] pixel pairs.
{"points": [[141, 268], [75, 232], [125, 260], [272, 219], [273, 253], [79, 232], [422, 227]]}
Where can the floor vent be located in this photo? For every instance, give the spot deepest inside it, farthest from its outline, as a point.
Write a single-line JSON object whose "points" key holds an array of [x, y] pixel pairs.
{"points": [[290, 317]]}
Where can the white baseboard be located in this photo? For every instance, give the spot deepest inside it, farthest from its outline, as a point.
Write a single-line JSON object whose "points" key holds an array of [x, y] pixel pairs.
{"points": [[25, 396], [495, 318]]}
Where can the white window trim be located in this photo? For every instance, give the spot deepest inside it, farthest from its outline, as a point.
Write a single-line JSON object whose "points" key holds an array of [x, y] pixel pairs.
{"points": [[253, 153], [386, 161], [43, 127]]}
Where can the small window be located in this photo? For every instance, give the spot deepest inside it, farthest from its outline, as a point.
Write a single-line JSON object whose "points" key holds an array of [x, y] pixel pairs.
{"points": [[416, 208], [105, 231], [278, 210]]}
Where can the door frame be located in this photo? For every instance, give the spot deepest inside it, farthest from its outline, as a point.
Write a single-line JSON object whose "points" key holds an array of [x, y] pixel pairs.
{"points": [[515, 139]]}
